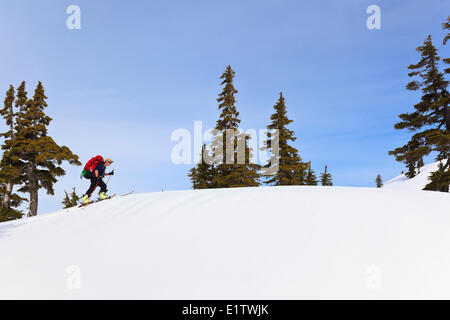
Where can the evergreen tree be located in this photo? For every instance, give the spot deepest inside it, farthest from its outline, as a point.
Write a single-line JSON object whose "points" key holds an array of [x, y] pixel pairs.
{"points": [[229, 172], [431, 118], [74, 198], [325, 178], [202, 174], [439, 180], [227, 124], [311, 178], [66, 201], [40, 155], [291, 169], [70, 200], [9, 169], [7, 172], [379, 181]]}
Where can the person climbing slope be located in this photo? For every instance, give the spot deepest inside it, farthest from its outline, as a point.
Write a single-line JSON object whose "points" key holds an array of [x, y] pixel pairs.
{"points": [[95, 171]]}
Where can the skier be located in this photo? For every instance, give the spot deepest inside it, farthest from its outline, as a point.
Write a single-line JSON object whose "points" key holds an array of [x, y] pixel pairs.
{"points": [[95, 171]]}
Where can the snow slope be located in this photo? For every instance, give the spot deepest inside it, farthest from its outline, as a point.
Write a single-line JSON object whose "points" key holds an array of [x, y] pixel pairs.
{"points": [[416, 183], [244, 243]]}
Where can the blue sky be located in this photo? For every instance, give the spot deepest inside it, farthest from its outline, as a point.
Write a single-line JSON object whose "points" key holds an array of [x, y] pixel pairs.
{"points": [[136, 71]]}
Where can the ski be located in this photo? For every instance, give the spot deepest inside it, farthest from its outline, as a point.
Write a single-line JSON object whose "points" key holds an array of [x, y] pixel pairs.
{"points": [[114, 195], [82, 205], [87, 204]]}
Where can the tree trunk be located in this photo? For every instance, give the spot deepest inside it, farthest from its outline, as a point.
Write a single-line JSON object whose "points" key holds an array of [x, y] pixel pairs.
{"points": [[33, 202], [7, 196], [33, 185]]}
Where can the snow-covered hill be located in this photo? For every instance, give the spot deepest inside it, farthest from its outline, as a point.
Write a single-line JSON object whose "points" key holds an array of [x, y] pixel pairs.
{"points": [[252, 243], [416, 183]]}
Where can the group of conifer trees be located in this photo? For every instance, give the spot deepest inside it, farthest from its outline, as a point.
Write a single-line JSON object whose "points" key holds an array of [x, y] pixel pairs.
{"points": [[230, 155], [31, 159], [430, 120], [71, 200]]}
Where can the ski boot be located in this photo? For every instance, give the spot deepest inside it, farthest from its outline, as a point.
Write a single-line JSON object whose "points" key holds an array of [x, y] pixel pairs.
{"points": [[103, 196], [85, 199]]}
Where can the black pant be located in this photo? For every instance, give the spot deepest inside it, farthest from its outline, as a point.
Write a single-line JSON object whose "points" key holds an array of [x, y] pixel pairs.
{"points": [[90, 175]]}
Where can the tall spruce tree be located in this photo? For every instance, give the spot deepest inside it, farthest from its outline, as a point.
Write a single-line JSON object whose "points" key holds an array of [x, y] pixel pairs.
{"points": [[326, 178], [379, 181], [291, 169], [8, 173], [311, 178], [40, 155], [440, 179], [229, 171], [431, 118], [9, 169]]}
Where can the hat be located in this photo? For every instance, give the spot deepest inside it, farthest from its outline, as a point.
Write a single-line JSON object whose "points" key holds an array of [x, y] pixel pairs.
{"points": [[109, 160]]}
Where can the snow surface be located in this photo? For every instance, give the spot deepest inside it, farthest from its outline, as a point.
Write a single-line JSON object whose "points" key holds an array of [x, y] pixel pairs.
{"points": [[244, 243], [416, 183]]}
